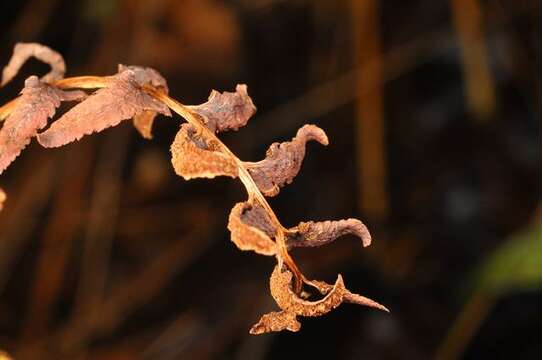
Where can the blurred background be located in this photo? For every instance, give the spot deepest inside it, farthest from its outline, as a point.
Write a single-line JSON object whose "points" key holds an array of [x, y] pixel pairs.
{"points": [[433, 109]]}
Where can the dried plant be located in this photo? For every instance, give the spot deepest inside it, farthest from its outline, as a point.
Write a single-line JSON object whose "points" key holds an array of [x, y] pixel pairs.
{"points": [[140, 94]]}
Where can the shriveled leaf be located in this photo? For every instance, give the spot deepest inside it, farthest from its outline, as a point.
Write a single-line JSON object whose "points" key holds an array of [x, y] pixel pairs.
{"points": [[38, 102], [251, 228], [226, 111], [311, 234], [283, 160], [143, 123], [23, 51], [293, 306], [146, 76], [122, 99], [276, 321], [193, 156]]}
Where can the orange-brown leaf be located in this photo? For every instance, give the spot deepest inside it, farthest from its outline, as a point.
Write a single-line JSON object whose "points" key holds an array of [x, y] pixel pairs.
{"points": [[293, 306], [193, 156], [23, 51], [122, 99], [226, 111], [37, 103], [276, 321], [311, 234], [251, 228], [146, 76], [143, 123], [283, 160]]}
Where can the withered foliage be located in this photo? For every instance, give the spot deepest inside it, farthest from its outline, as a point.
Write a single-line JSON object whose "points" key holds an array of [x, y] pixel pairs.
{"points": [[140, 94], [283, 160], [122, 99], [293, 306], [23, 51], [37, 103]]}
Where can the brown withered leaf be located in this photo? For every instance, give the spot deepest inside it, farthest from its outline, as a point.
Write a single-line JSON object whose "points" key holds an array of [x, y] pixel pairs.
{"points": [[226, 111], [251, 228], [146, 76], [283, 160], [122, 99], [37, 103], [143, 123], [276, 321], [23, 51], [193, 156], [293, 306], [311, 234]]}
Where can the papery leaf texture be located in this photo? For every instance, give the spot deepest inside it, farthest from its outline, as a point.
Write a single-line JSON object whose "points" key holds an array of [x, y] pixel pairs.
{"points": [[292, 305], [283, 160], [23, 51], [251, 228], [144, 120], [194, 156], [37, 103], [311, 234], [227, 110], [122, 99]]}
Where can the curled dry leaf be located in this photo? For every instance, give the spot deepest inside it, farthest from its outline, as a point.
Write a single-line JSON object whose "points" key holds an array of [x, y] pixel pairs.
{"points": [[194, 156], [283, 160], [23, 51], [293, 306], [143, 123], [276, 321], [226, 111], [251, 228], [122, 99], [311, 234], [140, 93], [145, 76], [38, 102]]}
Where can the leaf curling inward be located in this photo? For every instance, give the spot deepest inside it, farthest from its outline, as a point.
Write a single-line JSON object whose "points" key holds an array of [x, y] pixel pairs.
{"points": [[193, 156], [122, 99], [23, 51], [293, 306], [144, 120], [283, 160], [37, 103], [311, 234], [251, 228], [227, 110]]}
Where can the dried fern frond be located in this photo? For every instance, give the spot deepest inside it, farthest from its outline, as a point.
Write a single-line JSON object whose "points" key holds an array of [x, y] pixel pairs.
{"points": [[140, 94]]}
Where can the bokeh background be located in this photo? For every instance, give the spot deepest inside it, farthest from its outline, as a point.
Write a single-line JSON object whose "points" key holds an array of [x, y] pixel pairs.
{"points": [[433, 109]]}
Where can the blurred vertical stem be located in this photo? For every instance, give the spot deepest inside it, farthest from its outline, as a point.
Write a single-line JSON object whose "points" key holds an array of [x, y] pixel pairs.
{"points": [[465, 326], [479, 85], [371, 155], [57, 241]]}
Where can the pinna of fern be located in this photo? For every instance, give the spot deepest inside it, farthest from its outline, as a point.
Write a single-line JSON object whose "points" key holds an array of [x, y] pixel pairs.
{"points": [[140, 94]]}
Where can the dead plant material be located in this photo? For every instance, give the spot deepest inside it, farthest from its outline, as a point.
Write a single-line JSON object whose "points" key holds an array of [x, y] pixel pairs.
{"points": [[141, 93]]}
